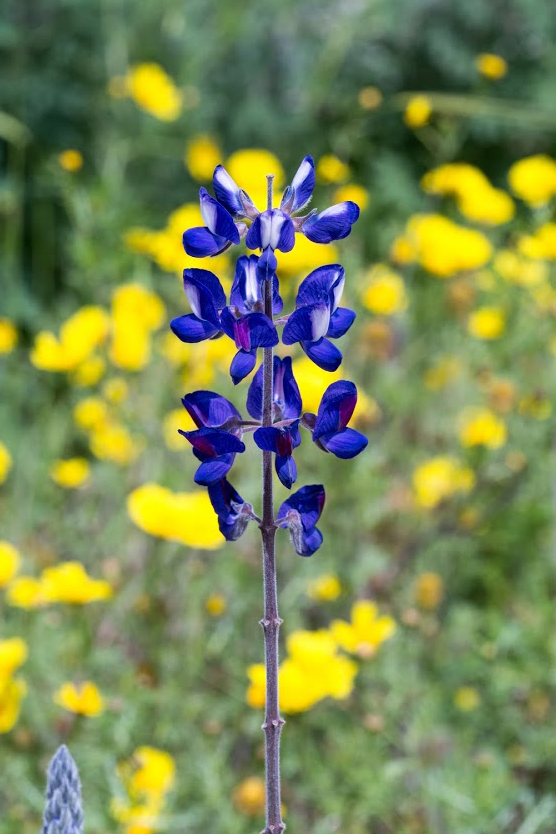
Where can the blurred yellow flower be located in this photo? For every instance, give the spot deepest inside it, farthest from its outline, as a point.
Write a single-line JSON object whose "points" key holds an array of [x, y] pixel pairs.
{"points": [[466, 698], [312, 382], [185, 517], [13, 654], [202, 155], [439, 478], [537, 406], [366, 631], [476, 198], [136, 302], [147, 777], [442, 373], [369, 98], [418, 111], [534, 179], [384, 291], [541, 244], [215, 605], [90, 412], [249, 167], [70, 473], [306, 256], [69, 582], [176, 419], [12, 691], [491, 65], [482, 427], [8, 335], [249, 796], [112, 441], [9, 562], [115, 390], [79, 336], [325, 588], [25, 592], [429, 590], [89, 372], [443, 247], [488, 205], [136, 312], [5, 462], [154, 771], [330, 169], [70, 160], [486, 323], [514, 267], [353, 192], [81, 698], [154, 91]]}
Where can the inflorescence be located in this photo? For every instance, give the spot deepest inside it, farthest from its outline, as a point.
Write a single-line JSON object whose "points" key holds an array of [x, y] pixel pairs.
{"points": [[317, 318]]}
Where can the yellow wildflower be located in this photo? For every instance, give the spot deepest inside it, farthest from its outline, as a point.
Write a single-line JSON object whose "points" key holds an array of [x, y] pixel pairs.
{"points": [[429, 590], [325, 588], [249, 166], [369, 98], [12, 692], [441, 374], [418, 111], [8, 335], [176, 419], [112, 441], [5, 462], [185, 517], [154, 91], [534, 179], [154, 771], [384, 291], [115, 390], [202, 156], [353, 192], [541, 244], [466, 698], [249, 796], [215, 605], [306, 256], [486, 323], [89, 372], [491, 66], [330, 169], [477, 199], [443, 247], [9, 563], [517, 269], [366, 631], [90, 412], [482, 427], [25, 592], [71, 473], [140, 304], [69, 582], [70, 160], [487, 205], [82, 698], [13, 654], [440, 477], [79, 336]]}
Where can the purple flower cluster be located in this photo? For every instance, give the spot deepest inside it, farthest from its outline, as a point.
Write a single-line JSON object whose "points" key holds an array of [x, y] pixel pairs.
{"points": [[317, 318]]}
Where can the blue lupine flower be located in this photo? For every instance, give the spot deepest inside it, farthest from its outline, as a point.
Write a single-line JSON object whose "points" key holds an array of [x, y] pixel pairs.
{"points": [[63, 812], [300, 514], [329, 426], [281, 440], [249, 332], [211, 410], [247, 289], [299, 193], [333, 223], [272, 229], [287, 403], [318, 316], [234, 199], [216, 449], [234, 514], [218, 233], [206, 298]]}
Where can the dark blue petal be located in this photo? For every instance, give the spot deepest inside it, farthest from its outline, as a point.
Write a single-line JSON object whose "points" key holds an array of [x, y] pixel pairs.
{"points": [[216, 218], [286, 390], [340, 322], [253, 239], [262, 331], [227, 322], [323, 353], [200, 242], [326, 282], [345, 444], [255, 394], [267, 264], [242, 364], [214, 469], [336, 408], [277, 303], [209, 409], [207, 280], [191, 329], [246, 288], [303, 184], [308, 501], [310, 542], [233, 512], [286, 470], [286, 239], [267, 438], [332, 224], [213, 442], [307, 324], [227, 192]]}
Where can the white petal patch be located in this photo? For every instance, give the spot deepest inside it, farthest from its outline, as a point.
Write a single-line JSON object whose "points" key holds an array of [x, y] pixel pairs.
{"points": [[337, 292], [276, 224], [224, 179], [208, 213], [302, 173], [320, 321], [266, 229], [194, 297], [334, 211], [251, 284]]}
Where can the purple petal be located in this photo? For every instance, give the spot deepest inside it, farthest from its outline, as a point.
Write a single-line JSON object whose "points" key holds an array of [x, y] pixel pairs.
{"points": [[303, 184], [262, 331], [216, 218], [345, 444], [340, 322], [242, 365], [209, 409], [191, 329], [332, 224], [307, 324], [267, 264], [204, 293], [286, 390], [213, 442], [233, 512], [213, 470], [267, 438], [286, 470], [324, 354], [253, 239], [308, 502], [200, 242], [246, 289], [227, 192], [326, 282], [336, 408]]}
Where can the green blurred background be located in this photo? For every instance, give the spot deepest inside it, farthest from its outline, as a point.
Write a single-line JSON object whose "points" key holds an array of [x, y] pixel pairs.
{"points": [[449, 728]]}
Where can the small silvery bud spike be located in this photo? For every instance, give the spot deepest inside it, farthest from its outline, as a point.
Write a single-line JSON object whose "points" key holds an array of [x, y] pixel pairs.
{"points": [[63, 811]]}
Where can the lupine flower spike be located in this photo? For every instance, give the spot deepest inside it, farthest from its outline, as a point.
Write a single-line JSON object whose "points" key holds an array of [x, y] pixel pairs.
{"points": [[251, 319], [63, 812]]}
